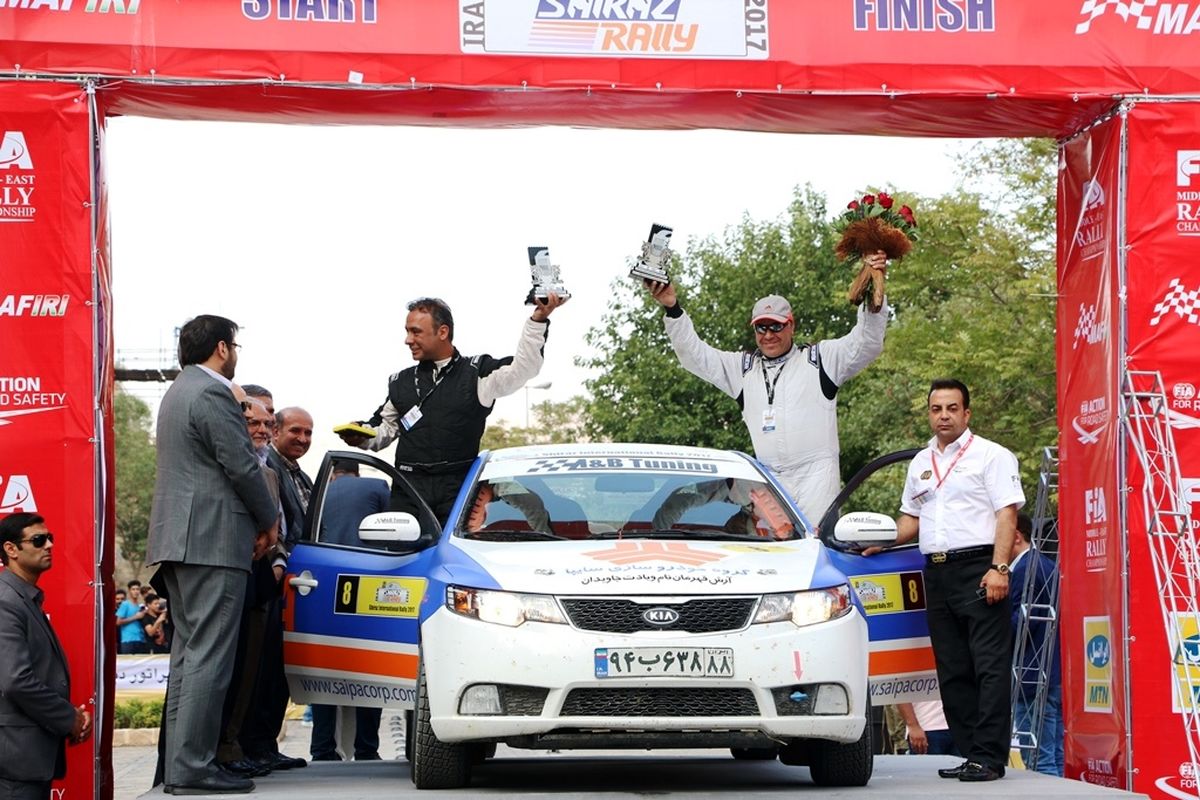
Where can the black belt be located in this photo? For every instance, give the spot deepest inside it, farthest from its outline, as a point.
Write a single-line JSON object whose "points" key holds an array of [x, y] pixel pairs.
{"points": [[960, 553]]}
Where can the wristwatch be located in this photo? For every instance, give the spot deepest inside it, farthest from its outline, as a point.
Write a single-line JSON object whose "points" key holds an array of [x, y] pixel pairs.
{"points": [[1001, 568]]}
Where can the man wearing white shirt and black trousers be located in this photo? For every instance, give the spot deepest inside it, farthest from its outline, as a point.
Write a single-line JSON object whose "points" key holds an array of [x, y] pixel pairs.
{"points": [[961, 497]]}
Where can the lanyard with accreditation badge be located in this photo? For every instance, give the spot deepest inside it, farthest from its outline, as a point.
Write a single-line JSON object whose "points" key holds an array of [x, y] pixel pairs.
{"points": [[768, 424], [414, 414], [922, 497]]}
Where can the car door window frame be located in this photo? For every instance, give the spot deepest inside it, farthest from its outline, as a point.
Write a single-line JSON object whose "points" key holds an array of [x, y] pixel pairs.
{"points": [[312, 521], [830, 517]]}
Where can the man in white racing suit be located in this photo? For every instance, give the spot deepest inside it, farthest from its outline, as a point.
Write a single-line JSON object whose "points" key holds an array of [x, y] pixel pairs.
{"points": [[787, 393]]}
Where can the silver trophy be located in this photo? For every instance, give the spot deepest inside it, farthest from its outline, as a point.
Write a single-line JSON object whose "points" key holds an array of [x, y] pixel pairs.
{"points": [[656, 255], [546, 276]]}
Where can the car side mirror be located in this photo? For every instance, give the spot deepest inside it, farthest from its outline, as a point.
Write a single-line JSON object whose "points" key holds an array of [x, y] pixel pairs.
{"points": [[389, 528], [865, 528]]}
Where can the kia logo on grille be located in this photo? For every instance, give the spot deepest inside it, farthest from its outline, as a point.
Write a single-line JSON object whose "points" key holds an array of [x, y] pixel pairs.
{"points": [[661, 616]]}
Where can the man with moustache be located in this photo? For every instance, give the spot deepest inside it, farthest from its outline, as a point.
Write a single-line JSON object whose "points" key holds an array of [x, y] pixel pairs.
{"points": [[212, 515], [438, 409], [35, 685], [961, 498], [787, 393], [260, 734]]}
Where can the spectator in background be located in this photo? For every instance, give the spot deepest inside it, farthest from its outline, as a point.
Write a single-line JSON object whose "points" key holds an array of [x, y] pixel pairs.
{"points": [[1029, 565], [156, 624], [131, 636], [118, 597], [928, 733]]}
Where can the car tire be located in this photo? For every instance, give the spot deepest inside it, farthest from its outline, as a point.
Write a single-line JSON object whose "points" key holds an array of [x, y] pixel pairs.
{"points": [[837, 764], [755, 753], [435, 764], [409, 735]]}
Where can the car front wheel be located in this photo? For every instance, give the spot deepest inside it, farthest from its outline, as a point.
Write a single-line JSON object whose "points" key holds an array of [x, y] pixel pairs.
{"points": [[836, 764], [435, 764]]}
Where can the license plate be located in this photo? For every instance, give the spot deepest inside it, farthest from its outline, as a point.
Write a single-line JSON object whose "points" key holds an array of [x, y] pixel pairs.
{"points": [[664, 662]]}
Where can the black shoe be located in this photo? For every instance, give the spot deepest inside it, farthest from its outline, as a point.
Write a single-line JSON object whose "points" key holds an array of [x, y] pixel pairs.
{"points": [[327, 757], [953, 772], [245, 768], [367, 757], [974, 771], [220, 783], [280, 761]]}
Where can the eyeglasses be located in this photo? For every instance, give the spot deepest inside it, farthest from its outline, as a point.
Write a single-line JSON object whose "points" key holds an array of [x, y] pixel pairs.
{"points": [[234, 345], [260, 423], [770, 327], [38, 540]]}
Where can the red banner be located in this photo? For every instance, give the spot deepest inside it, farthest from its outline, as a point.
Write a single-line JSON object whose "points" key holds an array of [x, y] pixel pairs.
{"points": [[1164, 336], [938, 67], [1091, 622], [48, 450]]}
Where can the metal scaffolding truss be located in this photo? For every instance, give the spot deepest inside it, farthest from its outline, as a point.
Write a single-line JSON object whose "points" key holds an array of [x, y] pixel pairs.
{"points": [[1145, 414], [1037, 618]]}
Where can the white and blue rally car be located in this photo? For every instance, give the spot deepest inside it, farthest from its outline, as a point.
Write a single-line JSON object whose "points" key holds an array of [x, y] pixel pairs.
{"points": [[592, 596]]}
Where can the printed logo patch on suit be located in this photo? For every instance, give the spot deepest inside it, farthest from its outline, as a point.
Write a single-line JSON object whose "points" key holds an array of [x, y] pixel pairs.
{"points": [[926, 475]]}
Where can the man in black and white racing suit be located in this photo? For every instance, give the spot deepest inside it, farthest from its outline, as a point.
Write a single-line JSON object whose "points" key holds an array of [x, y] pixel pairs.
{"points": [[788, 393]]}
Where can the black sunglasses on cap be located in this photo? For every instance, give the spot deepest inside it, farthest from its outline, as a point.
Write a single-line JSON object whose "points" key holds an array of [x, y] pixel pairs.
{"points": [[38, 540], [769, 327]]}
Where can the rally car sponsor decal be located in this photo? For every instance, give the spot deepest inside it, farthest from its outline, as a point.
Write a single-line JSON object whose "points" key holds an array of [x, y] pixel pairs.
{"points": [[890, 593], [378, 596]]}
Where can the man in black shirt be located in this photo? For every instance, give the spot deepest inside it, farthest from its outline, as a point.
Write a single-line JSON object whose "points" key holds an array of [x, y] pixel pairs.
{"points": [[438, 409]]}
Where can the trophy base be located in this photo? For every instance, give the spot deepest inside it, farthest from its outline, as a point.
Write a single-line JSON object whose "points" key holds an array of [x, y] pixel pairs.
{"points": [[649, 273], [543, 293]]}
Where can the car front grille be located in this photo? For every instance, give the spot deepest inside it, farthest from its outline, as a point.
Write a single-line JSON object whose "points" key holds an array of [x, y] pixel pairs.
{"points": [[651, 702], [622, 615], [522, 701]]}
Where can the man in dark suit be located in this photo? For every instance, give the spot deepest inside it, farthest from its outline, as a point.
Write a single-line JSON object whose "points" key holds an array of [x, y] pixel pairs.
{"points": [[36, 715], [260, 734], [212, 515]]}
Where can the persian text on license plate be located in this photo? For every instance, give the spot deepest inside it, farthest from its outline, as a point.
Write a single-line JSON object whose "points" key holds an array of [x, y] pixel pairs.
{"points": [[664, 662]]}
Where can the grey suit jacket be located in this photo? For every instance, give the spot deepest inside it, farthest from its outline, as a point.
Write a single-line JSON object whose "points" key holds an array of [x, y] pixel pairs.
{"points": [[210, 496], [36, 714]]}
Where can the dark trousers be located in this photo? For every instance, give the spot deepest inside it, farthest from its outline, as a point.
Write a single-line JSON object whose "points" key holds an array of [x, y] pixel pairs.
{"points": [[264, 718], [324, 731], [438, 490], [133, 648], [24, 790], [972, 644]]}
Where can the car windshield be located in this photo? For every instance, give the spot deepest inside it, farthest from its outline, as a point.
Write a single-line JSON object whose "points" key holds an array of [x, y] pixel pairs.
{"points": [[621, 497]]}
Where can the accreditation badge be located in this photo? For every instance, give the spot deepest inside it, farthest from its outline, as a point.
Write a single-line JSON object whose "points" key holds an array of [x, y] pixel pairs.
{"points": [[411, 418], [768, 422]]}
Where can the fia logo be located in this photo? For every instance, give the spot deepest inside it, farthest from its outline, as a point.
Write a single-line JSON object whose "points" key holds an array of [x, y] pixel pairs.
{"points": [[1094, 507], [1187, 164], [14, 152], [15, 495]]}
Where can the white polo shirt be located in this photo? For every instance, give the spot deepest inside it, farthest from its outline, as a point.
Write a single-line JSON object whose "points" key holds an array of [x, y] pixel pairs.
{"points": [[957, 493]]}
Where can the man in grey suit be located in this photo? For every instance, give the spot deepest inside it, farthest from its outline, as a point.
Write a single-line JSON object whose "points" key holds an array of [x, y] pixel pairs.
{"points": [[212, 515], [36, 715]]}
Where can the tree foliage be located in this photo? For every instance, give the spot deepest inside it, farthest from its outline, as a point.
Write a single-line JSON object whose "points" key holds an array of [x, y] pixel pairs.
{"points": [[554, 423], [135, 466], [975, 300]]}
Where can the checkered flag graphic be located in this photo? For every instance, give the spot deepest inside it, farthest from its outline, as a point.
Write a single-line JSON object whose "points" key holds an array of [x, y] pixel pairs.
{"points": [[1138, 9], [1086, 327], [550, 464], [1185, 303]]}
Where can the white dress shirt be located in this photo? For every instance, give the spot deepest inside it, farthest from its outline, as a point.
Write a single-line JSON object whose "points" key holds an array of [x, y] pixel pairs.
{"points": [[957, 493]]}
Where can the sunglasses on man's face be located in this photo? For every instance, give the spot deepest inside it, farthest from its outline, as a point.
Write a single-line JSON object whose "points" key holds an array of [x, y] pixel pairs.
{"points": [[39, 540], [769, 327]]}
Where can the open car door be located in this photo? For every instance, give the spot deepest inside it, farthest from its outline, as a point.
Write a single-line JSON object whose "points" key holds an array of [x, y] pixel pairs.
{"points": [[891, 586], [355, 585]]}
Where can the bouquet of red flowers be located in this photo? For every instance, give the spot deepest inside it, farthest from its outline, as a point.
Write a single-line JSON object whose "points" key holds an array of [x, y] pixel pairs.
{"points": [[868, 226]]}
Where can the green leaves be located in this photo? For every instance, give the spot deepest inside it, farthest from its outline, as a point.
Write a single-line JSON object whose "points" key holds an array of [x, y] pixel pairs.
{"points": [[135, 473], [975, 300]]}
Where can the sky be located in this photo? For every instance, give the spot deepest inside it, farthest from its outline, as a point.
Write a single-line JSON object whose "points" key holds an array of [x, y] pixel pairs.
{"points": [[314, 238]]}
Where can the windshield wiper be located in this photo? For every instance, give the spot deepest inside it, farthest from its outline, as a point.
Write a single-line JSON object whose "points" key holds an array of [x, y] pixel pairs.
{"points": [[511, 536], [670, 533]]}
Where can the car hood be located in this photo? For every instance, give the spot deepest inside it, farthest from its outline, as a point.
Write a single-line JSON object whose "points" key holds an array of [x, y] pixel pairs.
{"points": [[652, 566]]}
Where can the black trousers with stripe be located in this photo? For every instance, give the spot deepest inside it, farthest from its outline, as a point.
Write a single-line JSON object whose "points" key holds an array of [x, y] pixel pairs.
{"points": [[972, 644]]}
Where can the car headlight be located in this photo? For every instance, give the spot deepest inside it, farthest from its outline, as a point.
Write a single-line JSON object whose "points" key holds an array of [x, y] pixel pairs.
{"points": [[805, 608], [503, 608]]}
